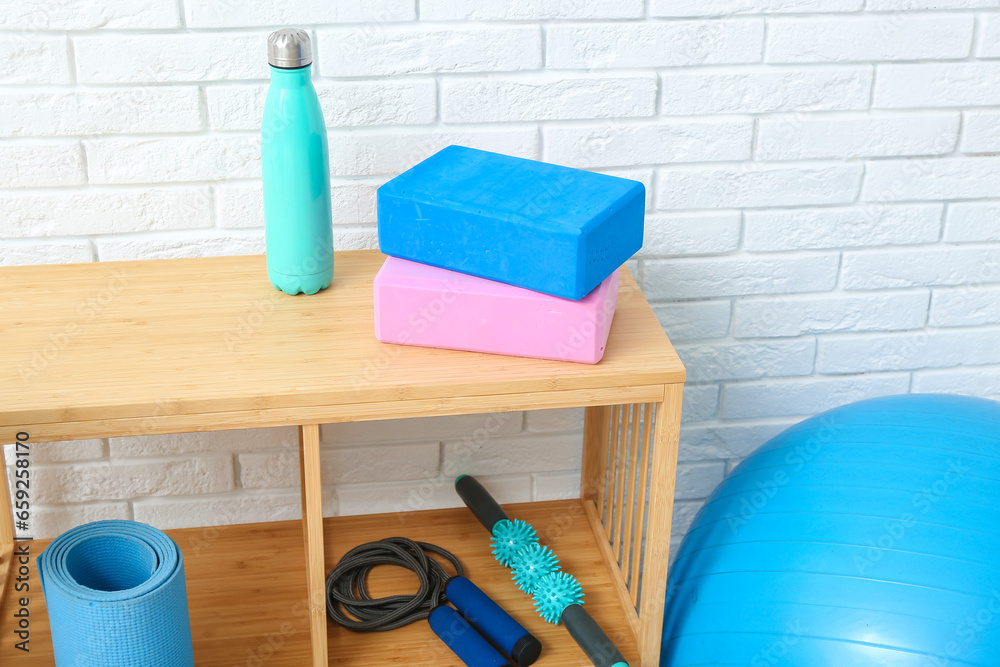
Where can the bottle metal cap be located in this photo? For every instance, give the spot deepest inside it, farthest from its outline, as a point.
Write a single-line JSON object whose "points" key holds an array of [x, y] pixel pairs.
{"points": [[289, 48]]}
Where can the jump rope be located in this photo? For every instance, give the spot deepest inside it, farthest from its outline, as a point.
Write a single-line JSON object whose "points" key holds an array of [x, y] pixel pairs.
{"points": [[475, 628]]}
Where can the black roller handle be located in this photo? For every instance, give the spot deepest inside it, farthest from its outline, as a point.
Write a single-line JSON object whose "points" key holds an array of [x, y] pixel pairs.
{"points": [[584, 629], [479, 500]]}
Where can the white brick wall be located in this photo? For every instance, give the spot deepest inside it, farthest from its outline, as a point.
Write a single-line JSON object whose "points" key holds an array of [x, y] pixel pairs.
{"points": [[345, 103], [29, 213], [842, 227], [757, 89], [739, 275], [965, 306], [945, 84], [546, 97], [86, 112], [45, 61], [877, 37], [798, 315], [529, 10], [982, 132], [857, 135], [654, 44], [29, 15], [647, 142], [218, 14], [754, 185], [972, 221], [823, 196], [677, 8], [49, 164], [168, 57], [420, 48]]}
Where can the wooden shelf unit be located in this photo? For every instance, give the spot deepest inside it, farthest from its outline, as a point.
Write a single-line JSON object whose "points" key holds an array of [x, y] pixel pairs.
{"points": [[173, 346]]}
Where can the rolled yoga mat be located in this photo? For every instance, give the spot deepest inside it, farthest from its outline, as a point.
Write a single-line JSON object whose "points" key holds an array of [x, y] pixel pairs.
{"points": [[115, 595]]}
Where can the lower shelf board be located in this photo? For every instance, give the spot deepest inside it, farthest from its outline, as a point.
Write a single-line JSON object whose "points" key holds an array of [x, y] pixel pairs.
{"points": [[246, 590]]}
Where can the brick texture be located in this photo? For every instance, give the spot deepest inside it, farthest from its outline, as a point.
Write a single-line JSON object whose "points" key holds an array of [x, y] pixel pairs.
{"points": [[821, 191]]}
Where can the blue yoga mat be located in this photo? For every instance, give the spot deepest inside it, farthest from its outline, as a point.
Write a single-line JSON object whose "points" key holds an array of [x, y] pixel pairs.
{"points": [[115, 595]]}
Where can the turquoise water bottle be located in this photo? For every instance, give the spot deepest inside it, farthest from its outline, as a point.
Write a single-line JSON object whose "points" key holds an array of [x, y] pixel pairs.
{"points": [[298, 224]]}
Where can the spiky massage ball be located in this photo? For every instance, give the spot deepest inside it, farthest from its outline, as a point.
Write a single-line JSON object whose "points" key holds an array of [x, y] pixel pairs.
{"points": [[509, 537], [531, 564], [554, 592]]}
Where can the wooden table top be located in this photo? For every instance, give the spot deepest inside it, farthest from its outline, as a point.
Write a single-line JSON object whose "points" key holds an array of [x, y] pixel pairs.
{"points": [[196, 344]]}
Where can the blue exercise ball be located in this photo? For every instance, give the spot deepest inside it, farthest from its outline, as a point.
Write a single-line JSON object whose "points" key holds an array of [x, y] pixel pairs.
{"points": [[868, 535]]}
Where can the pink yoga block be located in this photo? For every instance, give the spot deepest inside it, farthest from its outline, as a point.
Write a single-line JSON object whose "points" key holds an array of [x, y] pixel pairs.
{"points": [[418, 304]]}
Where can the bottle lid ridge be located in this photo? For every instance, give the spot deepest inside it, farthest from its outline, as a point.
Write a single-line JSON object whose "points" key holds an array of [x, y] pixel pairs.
{"points": [[289, 48]]}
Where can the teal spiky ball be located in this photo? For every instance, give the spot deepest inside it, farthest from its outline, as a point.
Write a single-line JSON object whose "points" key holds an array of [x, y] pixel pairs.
{"points": [[531, 564], [509, 537], [554, 592]]}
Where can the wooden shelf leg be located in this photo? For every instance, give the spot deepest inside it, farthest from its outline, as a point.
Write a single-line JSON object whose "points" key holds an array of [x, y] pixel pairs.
{"points": [[312, 524], [656, 555]]}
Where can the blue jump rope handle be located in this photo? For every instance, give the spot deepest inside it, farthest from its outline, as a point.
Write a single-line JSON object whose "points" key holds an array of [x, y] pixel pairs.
{"points": [[497, 625], [463, 639]]}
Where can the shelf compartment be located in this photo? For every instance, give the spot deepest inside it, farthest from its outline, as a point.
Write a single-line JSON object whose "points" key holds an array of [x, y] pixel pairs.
{"points": [[247, 589]]}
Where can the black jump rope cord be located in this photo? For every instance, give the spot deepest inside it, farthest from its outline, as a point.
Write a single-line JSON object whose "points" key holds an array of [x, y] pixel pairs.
{"points": [[347, 589]]}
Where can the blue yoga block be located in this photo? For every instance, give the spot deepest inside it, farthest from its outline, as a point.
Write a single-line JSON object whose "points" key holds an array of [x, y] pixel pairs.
{"points": [[544, 227]]}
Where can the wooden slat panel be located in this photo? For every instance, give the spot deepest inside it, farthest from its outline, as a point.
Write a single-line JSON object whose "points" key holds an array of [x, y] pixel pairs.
{"points": [[616, 521], [633, 456], [640, 514], [611, 564], [606, 494]]}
